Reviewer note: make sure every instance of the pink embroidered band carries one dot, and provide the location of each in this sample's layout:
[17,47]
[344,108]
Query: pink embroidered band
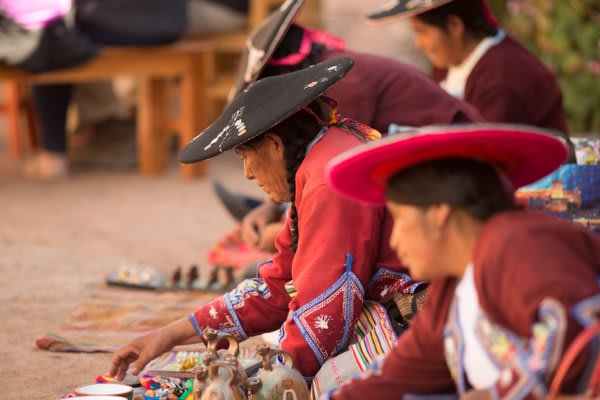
[310,36]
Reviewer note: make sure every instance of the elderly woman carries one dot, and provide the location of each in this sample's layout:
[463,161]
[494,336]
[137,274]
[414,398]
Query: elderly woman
[380,92]
[510,289]
[478,62]
[332,254]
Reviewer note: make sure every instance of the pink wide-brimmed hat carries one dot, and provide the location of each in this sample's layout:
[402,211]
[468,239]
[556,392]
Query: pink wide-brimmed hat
[524,154]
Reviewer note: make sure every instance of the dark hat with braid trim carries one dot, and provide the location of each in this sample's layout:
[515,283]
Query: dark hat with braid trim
[263,105]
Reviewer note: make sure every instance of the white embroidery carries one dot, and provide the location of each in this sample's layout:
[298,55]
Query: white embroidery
[384,291]
[213,312]
[240,126]
[322,322]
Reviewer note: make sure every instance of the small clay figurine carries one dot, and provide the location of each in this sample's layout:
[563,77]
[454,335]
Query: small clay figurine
[282,381]
[226,386]
[191,276]
[175,277]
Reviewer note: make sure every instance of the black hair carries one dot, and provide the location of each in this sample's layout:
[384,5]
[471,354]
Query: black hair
[471,13]
[296,132]
[290,45]
[471,185]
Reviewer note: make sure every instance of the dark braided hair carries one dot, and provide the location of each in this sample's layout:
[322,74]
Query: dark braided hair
[290,45]
[471,13]
[471,185]
[296,132]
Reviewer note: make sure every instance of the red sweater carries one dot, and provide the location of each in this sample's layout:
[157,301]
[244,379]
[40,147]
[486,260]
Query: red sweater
[509,84]
[380,91]
[342,257]
[537,281]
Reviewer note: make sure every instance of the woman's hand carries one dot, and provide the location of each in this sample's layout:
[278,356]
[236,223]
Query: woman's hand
[256,220]
[136,354]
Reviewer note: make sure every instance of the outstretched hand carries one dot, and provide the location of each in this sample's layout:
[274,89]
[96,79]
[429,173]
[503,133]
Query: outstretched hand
[135,355]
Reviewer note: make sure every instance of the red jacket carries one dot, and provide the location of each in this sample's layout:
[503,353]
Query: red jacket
[342,257]
[509,84]
[379,91]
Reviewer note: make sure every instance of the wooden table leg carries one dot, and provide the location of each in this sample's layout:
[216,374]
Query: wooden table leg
[194,106]
[13,111]
[151,135]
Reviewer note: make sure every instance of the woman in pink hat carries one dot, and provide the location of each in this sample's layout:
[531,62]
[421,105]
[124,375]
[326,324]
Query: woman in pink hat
[509,289]
[476,61]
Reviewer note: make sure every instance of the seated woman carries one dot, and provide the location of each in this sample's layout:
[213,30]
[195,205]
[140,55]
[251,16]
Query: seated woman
[380,92]
[509,289]
[333,254]
[476,61]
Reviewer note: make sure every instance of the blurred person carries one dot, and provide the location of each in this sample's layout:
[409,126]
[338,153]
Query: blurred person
[332,259]
[510,289]
[345,18]
[98,107]
[477,61]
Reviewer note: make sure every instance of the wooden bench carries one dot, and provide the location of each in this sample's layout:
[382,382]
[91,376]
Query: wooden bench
[154,67]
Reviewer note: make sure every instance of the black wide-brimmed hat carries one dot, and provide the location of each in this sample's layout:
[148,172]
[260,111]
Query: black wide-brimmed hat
[404,8]
[263,105]
[263,42]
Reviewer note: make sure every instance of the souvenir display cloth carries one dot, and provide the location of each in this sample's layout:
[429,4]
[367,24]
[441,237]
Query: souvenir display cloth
[180,362]
[110,318]
[263,105]
[524,154]
[262,42]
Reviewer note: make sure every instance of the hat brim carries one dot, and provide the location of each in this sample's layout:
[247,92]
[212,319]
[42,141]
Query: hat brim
[402,10]
[264,40]
[263,105]
[525,154]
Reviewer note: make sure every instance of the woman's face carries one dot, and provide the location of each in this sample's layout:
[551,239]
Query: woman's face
[442,48]
[416,239]
[264,162]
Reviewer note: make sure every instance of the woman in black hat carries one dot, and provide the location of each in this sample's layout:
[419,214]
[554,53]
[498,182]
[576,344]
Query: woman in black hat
[380,92]
[332,254]
[476,61]
[510,289]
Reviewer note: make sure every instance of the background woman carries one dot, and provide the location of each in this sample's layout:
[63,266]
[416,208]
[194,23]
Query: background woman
[477,61]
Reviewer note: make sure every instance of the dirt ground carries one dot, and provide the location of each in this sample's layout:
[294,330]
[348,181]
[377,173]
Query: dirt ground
[58,240]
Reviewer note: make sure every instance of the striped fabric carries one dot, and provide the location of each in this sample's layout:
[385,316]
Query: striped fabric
[373,337]
[291,289]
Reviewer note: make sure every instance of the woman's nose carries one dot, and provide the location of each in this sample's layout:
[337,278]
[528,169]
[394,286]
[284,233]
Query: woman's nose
[248,171]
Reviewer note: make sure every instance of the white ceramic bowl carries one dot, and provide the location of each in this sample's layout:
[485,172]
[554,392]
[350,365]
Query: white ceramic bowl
[99,397]
[106,390]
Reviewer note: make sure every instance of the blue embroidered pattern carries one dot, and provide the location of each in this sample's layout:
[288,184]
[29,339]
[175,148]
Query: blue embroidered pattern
[349,284]
[248,287]
[192,318]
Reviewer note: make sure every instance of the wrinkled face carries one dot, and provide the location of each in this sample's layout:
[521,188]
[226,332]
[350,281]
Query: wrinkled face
[264,162]
[415,238]
[442,48]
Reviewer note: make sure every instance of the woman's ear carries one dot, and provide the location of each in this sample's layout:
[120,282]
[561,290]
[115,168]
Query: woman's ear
[455,26]
[440,215]
[276,143]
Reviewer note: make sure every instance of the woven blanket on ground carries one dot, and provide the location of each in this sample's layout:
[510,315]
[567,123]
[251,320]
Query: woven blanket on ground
[232,252]
[112,317]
